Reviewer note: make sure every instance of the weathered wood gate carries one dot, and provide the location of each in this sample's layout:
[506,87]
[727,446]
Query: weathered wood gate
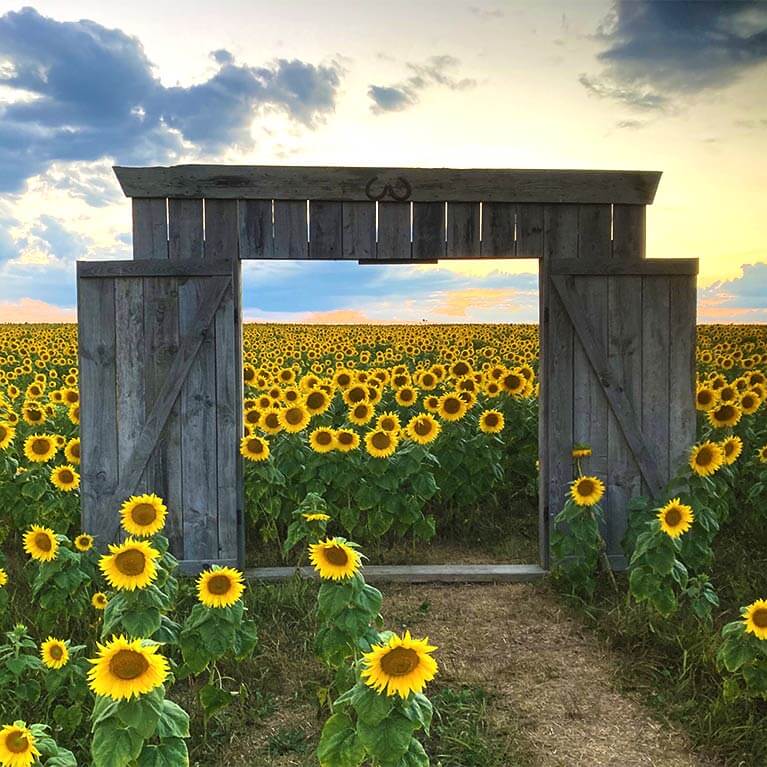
[160,336]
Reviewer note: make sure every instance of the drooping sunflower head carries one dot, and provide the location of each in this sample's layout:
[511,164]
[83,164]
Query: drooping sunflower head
[84,542]
[587,491]
[41,543]
[17,746]
[143,515]
[322,440]
[675,518]
[755,618]
[706,458]
[334,559]
[399,666]
[65,478]
[491,421]
[220,586]
[380,443]
[124,669]
[54,653]
[39,448]
[254,448]
[346,440]
[731,447]
[423,428]
[130,565]
[581,451]
[99,600]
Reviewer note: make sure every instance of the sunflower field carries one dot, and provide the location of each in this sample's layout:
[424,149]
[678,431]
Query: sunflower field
[411,443]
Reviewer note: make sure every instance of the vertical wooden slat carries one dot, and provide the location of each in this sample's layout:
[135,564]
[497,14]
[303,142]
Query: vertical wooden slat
[462,230]
[529,231]
[256,235]
[393,231]
[629,221]
[359,230]
[290,229]
[150,227]
[428,230]
[682,321]
[325,229]
[98,425]
[221,235]
[498,230]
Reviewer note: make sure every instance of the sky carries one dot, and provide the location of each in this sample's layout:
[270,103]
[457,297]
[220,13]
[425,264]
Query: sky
[679,87]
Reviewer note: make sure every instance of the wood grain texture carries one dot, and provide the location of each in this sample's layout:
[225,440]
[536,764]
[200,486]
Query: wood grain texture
[463,230]
[498,219]
[393,231]
[427,184]
[154,268]
[428,231]
[359,230]
[290,229]
[256,229]
[655,266]
[150,227]
[629,232]
[529,231]
[325,230]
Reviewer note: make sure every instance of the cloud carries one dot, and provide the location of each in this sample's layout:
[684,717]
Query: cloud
[630,124]
[743,299]
[32,310]
[658,53]
[83,92]
[436,71]
[487,13]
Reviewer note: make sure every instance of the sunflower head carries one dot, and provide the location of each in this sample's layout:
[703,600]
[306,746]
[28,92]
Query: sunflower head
[334,559]
[755,618]
[322,440]
[587,491]
[731,447]
[54,653]
[143,515]
[491,421]
[3,577]
[346,440]
[706,458]
[380,443]
[254,448]
[41,543]
[17,746]
[130,565]
[318,517]
[65,478]
[423,428]
[125,669]
[39,448]
[675,518]
[84,542]
[99,600]
[220,587]
[399,666]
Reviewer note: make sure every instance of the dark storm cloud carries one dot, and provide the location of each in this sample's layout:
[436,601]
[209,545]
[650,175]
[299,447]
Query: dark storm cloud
[94,93]
[657,52]
[438,70]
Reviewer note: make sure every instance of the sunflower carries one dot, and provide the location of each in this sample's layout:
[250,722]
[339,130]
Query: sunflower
[380,443]
[220,587]
[294,418]
[750,402]
[99,600]
[251,416]
[39,448]
[581,451]
[755,618]
[388,422]
[72,451]
[270,421]
[706,458]
[74,413]
[65,478]
[724,415]
[124,669]
[346,440]
[452,407]
[423,428]
[762,454]
[17,746]
[7,433]
[130,565]
[84,542]
[41,543]
[334,559]
[491,421]
[361,413]
[406,396]
[514,383]
[317,401]
[675,518]
[143,515]
[3,577]
[587,491]
[317,517]
[54,653]
[399,666]
[322,440]
[731,447]
[254,448]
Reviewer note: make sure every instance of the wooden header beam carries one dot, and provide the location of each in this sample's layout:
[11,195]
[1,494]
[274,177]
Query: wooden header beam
[273,182]
[644,268]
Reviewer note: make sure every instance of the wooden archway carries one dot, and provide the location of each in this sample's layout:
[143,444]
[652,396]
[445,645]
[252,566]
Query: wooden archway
[160,336]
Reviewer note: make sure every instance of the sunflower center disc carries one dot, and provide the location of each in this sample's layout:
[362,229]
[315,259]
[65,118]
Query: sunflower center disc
[75,450]
[17,742]
[131,562]
[703,458]
[293,416]
[56,652]
[128,664]
[344,438]
[491,420]
[585,487]
[336,556]
[387,424]
[219,584]
[40,446]
[422,428]
[255,446]
[315,400]
[760,618]
[380,441]
[272,421]
[324,438]
[673,517]
[43,542]
[400,661]
[452,406]
[66,476]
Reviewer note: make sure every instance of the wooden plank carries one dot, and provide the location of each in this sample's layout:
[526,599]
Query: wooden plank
[498,230]
[629,232]
[185,229]
[655,372]
[529,231]
[428,231]
[325,230]
[682,330]
[221,235]
[415,573]
[98,418]
[643,449]
[544,311]
[154,268]
[256,229]
[191,567]
[463,230]
[425,184]
[150,227]
[290,229]
[393,231]
[359,230]
[649,267]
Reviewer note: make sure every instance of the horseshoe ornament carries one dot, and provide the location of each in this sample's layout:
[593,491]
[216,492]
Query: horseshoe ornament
[388,190]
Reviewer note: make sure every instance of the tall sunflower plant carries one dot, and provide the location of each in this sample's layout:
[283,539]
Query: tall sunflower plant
[742,653]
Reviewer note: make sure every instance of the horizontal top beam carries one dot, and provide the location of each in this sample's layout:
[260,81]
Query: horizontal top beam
[274,182]
[664,267]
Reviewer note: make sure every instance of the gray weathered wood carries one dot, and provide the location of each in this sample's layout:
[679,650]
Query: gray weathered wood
[463,230]
[428,231]
[543,412]
[629,232]
[359,225]
[393,231]
[498,230]
[256,229]
[325,230]
[290,229]
[150,227]
[529,231]
[153,268]
[427,184]
[654,266]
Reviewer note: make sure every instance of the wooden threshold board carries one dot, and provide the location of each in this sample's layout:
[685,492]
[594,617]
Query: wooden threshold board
[416,573]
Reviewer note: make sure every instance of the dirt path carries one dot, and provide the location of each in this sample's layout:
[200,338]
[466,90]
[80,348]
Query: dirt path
[550,674]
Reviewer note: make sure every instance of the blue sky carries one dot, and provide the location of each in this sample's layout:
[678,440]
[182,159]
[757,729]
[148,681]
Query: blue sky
[671,86]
